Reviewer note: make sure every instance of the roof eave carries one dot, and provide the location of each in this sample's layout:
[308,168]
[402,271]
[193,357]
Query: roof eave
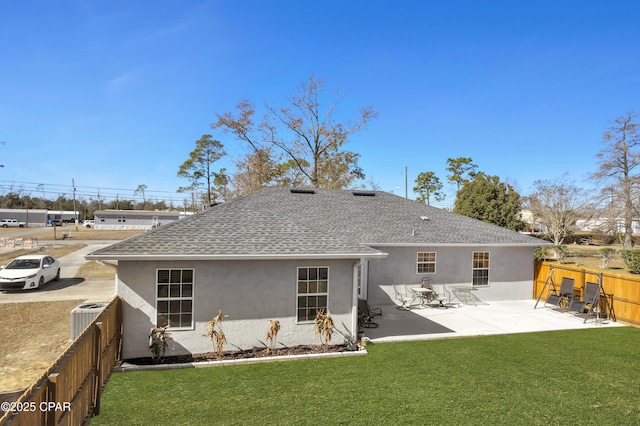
[426,243]
[293,256]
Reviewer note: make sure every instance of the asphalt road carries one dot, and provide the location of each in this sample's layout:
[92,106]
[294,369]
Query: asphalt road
[69,287]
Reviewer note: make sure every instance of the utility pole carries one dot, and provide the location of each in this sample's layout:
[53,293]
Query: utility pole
[406,182]
[75,212]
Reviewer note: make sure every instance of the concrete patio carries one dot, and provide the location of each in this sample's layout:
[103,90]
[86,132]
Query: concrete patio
[502,317]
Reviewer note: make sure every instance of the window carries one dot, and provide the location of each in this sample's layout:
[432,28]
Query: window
[426,262]
[313,290]
[480,268]
[174,303]
[122,219]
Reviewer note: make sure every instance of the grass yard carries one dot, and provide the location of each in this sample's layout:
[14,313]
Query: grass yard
[562,377]
[588,257]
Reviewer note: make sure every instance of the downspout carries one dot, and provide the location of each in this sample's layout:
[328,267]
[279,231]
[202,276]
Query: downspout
[354,302]
[115,267]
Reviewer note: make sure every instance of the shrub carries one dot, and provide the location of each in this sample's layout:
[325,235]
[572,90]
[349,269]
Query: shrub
[323,325]
[605,254]
[158,342]
[560,252]
[632,260]
[272,335]
[215,332]
[541,253]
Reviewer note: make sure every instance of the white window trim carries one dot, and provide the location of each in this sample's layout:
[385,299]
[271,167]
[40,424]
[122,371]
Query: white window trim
[192,298]
[435,263]
[312,294]
[473,268]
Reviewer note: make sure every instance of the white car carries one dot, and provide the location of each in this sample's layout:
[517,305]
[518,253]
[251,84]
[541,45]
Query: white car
[88,223]
[30,271]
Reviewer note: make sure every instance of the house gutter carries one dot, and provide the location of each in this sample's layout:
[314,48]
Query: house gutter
[292,256]
[428,244]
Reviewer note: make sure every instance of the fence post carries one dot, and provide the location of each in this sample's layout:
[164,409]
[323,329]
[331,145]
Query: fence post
[97,370]
[50,415]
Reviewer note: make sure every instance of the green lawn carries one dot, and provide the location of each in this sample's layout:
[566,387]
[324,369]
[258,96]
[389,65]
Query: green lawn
[564,377]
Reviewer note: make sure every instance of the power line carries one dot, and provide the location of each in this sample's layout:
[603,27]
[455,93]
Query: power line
[92,192]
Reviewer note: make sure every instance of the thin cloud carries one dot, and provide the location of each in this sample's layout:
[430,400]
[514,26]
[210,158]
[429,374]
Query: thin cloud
[162,33]
[116,84]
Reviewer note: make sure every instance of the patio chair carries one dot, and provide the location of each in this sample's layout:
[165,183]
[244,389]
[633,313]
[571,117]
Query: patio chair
[590,298]
[404,296]
[562,296]
[442,294]
[366,314]
[438,293]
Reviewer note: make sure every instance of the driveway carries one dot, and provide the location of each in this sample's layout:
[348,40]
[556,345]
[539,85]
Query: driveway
[68,287]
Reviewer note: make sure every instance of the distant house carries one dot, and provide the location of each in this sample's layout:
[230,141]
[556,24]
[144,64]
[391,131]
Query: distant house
[283,254]
[134,219]
[533,226]
[40,217]
[607,226]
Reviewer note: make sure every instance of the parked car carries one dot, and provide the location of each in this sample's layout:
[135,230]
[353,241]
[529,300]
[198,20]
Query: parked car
[89,223]
[56,222]
[29,271]
[6,223]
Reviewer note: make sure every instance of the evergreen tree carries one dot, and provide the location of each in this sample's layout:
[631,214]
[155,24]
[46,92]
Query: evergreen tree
[491,201]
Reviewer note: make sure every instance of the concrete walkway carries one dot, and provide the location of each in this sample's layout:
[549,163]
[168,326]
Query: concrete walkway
[503,317]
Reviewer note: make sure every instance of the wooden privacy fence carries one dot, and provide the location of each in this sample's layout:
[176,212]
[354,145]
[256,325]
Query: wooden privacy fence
[624,288]
[69,392]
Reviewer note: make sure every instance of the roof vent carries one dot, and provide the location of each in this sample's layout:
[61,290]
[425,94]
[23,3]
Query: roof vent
[302,191]
[424,217]
[364,193]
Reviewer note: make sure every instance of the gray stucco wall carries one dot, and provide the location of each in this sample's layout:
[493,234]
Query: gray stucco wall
[510,271]
[250,292]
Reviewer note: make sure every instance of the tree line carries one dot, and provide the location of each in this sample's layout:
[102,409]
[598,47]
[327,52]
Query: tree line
[559,202]
[302,142]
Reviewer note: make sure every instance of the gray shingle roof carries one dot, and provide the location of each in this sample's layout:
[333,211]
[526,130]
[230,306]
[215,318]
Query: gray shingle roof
[276,222]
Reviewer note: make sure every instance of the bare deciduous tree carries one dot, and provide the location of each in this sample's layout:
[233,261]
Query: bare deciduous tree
[556,204]
[618,161]
[306,131]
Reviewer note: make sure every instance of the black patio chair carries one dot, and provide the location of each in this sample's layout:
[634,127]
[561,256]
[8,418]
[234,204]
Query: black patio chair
[366,314]
[590,299]
[564,296]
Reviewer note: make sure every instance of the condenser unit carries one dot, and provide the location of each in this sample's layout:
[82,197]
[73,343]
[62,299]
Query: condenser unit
[82,315]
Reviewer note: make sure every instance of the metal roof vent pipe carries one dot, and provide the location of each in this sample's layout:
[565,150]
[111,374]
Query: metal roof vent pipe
[424,217]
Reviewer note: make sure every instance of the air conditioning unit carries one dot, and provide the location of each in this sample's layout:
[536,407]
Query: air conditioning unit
[82,315]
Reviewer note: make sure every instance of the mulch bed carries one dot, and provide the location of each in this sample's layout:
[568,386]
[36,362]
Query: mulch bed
[244,354]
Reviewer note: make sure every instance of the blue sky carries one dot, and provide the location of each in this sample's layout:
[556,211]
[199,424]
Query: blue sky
[115,94]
